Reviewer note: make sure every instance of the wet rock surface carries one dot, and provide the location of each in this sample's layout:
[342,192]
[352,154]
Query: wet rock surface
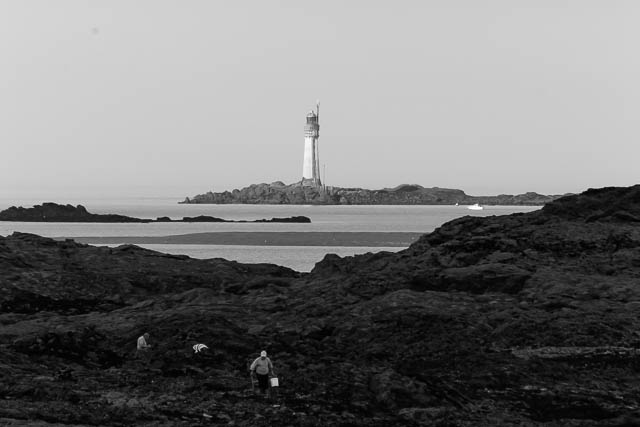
[527,319]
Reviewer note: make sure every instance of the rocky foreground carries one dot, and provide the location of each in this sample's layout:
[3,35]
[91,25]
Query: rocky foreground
[528,319]
[278,193]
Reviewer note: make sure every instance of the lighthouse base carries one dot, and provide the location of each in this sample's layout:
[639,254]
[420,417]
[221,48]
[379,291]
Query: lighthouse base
[310,182]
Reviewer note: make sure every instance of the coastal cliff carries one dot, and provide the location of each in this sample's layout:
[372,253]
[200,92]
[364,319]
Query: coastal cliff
[525,319]
[294,194]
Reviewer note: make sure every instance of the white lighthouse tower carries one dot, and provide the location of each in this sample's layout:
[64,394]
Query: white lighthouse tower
[311,162]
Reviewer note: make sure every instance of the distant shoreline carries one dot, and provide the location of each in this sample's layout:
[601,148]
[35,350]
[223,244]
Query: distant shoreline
[310,238]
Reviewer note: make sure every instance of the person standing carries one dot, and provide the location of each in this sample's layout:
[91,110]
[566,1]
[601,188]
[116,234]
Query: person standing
[262,368]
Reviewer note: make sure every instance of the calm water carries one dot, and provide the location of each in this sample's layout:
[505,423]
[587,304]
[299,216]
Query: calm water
[323,218]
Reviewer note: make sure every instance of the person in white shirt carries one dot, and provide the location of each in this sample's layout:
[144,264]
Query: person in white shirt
[142,342]
[262,368]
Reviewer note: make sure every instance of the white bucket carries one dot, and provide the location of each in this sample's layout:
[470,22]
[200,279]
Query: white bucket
[274,382]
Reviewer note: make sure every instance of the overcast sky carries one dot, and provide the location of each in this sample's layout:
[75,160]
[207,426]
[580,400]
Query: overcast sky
[176,98]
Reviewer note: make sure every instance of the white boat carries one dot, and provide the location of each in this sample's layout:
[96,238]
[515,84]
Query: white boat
[475,207]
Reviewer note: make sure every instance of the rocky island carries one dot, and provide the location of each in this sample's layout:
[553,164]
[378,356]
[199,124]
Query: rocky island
[53,212]
[518,320]
[279,193]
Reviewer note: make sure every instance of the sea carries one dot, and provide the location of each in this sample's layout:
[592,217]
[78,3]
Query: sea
[420,219]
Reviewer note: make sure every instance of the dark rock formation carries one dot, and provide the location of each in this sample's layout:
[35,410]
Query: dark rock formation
[602,204]
[527,319]
[278,193]
[53,212]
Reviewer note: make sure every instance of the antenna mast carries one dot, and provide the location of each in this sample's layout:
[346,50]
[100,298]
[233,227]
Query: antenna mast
[317,165]
[324,176]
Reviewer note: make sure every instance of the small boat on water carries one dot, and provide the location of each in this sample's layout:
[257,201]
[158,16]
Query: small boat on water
[475,207]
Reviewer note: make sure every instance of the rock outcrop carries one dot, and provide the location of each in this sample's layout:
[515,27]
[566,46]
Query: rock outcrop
[278,193]
[526,319]
[53,212]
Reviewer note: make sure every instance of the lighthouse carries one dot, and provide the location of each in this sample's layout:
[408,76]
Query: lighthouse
[311,162]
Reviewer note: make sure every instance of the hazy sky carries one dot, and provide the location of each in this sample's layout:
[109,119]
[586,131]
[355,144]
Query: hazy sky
[176,98]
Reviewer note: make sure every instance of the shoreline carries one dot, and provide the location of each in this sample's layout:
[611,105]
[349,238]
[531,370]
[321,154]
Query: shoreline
[265,238]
